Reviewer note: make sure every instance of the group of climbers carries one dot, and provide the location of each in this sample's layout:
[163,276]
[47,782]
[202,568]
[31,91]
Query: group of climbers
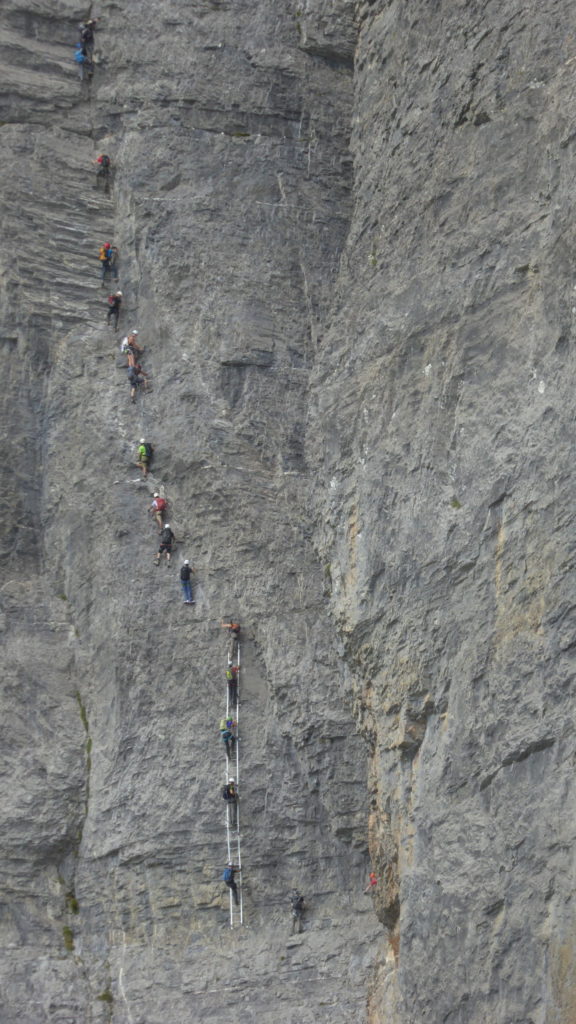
[229,737]
[159,509]
[109,260]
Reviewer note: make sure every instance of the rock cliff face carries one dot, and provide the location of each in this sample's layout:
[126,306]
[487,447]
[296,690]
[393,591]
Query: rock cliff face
[345,236]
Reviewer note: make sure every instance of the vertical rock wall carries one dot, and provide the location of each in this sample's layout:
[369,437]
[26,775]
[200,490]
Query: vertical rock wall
[443,404]
[228,126]
[346,239]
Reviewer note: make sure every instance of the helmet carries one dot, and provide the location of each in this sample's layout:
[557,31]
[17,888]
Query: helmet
[156,495]
[118,293]
[142,440]
[167,524]
[230,780]
[133,331]
[186,561]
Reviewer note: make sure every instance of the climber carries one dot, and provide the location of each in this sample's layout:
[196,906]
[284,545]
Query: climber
[103,172]
[104,257]
[234,631]
[297,910]
[113,256]
[372,881]
[84,62]
[230,794]
[232,680]
[135,381]
[167,538]
[145,454]
[228,734]
[158,508]
[87,35]
[229,871]
[185,581]
[114,303]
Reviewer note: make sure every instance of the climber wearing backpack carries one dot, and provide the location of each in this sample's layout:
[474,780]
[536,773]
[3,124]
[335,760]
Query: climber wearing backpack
[104,257]
[230,795]
[145,453]
[103,172]
[228,876]
[113,257]
[186,581]
[114,303]
[228,735]
[167,539]
[232,681]
[158,508]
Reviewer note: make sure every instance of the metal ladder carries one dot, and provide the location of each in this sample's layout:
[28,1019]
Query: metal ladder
[233,834]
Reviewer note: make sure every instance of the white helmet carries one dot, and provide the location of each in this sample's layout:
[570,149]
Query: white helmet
[142,440]
[156,495]
[167,524]
[186,561]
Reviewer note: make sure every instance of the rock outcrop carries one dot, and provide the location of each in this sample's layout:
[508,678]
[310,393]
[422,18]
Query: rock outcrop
[345,238]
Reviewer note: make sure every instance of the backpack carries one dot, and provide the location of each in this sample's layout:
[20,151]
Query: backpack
[79,57]
[161,504]
[103,251]
[166,535]
[226,794]
[149,453]
[112,300]
[228,875]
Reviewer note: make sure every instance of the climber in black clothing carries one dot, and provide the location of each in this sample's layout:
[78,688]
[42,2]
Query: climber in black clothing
[297,910]
[114,303]
[167,539]
[230,795]
[103,172]
[87,35]
[232,680]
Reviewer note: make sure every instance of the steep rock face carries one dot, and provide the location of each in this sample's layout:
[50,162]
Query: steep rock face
[441,431]
[229,129]
[355,296]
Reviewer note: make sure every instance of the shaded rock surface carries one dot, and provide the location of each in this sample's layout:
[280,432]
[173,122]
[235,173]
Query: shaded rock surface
[346,239]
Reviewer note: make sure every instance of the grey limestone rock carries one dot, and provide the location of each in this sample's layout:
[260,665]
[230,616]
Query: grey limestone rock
[345,236]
